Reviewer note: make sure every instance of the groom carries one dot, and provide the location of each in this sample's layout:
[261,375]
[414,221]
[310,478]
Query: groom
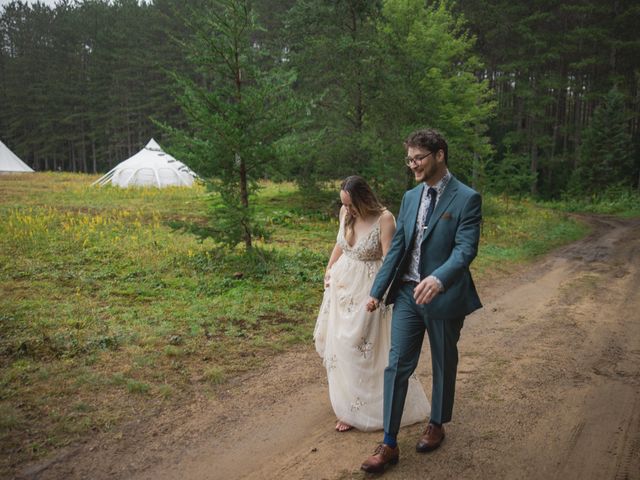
[426,274]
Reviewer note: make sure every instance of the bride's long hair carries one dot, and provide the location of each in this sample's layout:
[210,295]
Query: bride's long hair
[363,199]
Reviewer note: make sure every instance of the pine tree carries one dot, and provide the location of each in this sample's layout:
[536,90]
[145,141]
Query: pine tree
[430,81]
[237,111]
[606,154]
[332,46]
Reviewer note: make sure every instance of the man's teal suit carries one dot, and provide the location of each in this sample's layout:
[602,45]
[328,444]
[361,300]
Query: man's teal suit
[448,246]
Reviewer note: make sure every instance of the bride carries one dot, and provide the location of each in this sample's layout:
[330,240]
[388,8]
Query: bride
[353,343]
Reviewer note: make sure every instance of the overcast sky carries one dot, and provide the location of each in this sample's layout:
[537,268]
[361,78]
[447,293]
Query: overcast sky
[46,2]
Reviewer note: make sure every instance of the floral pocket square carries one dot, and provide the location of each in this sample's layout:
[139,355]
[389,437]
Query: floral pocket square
[446,216]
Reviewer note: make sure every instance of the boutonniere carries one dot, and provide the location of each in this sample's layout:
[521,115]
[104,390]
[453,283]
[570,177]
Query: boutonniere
[446,216]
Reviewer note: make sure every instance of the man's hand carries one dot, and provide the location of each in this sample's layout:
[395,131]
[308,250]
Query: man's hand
[426,290]
[373,304]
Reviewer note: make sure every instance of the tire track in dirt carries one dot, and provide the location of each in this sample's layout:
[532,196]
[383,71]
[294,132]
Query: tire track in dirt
[598,412]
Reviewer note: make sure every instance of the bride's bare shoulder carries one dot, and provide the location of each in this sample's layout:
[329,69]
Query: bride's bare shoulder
[387,219]
[386,215]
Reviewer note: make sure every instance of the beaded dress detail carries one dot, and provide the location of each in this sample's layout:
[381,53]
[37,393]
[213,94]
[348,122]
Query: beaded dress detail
[354,343]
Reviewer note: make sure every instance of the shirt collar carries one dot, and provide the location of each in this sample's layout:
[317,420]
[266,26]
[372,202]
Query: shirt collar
[441,185]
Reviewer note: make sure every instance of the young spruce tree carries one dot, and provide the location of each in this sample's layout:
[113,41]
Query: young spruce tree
[606,153]
[238,107]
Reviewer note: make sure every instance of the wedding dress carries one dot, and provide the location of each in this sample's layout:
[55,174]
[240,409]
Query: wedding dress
[354,344]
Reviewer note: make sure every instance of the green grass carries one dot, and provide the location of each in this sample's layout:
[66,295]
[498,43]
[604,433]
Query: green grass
[107,309]
[518,231]
[620,201]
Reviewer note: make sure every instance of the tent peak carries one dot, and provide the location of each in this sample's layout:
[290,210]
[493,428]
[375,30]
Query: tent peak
[153,145]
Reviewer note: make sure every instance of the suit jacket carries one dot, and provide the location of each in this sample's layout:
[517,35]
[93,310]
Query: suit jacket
[447,249]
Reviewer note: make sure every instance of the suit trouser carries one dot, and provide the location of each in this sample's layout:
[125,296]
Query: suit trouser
[407,333]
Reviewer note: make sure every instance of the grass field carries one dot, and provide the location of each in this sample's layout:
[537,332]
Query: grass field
[108,312]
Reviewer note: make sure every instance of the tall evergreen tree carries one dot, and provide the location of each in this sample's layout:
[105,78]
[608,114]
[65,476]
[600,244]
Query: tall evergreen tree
[606,154]
[81,80]
[550,63]
[332,46]
[373,71]
[431,81]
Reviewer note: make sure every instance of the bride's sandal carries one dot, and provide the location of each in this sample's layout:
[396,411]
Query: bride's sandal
[343,427]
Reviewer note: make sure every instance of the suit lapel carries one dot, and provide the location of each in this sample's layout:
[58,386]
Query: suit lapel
[447,197]
[412,215]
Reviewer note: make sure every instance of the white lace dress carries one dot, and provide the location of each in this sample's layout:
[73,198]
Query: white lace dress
[354,344]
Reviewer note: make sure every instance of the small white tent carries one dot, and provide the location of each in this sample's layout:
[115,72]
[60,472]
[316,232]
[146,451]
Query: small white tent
[9,161]
[150,167]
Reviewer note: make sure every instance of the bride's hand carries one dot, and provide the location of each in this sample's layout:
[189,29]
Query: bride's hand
[372,304]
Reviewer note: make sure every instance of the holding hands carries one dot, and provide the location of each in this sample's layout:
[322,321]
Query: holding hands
[372,304]
[424,293]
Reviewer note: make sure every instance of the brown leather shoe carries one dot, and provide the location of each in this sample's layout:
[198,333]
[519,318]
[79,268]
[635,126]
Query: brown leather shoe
[382,456]
[431,438]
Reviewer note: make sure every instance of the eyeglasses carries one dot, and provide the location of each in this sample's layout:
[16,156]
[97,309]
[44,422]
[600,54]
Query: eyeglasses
[417,159]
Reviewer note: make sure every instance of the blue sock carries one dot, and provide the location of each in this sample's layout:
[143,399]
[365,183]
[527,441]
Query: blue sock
[389,440]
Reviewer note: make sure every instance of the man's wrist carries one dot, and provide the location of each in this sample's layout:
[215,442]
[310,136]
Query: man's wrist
[438,283]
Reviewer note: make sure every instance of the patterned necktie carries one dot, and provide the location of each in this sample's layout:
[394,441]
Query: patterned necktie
[431,193]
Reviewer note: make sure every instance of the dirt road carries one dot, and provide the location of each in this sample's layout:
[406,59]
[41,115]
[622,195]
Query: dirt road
[548,388]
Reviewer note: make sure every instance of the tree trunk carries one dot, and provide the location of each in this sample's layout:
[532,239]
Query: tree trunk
[73,157]
[244,199]
[244,191]
[475,174]
[534,167]
[533,151]
[93,156]
[85,167]
[129,135]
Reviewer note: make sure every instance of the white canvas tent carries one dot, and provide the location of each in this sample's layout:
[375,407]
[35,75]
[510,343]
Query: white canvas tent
[150,167]
[9,161]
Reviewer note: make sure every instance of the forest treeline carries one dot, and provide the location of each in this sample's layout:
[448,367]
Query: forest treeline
[537,97]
